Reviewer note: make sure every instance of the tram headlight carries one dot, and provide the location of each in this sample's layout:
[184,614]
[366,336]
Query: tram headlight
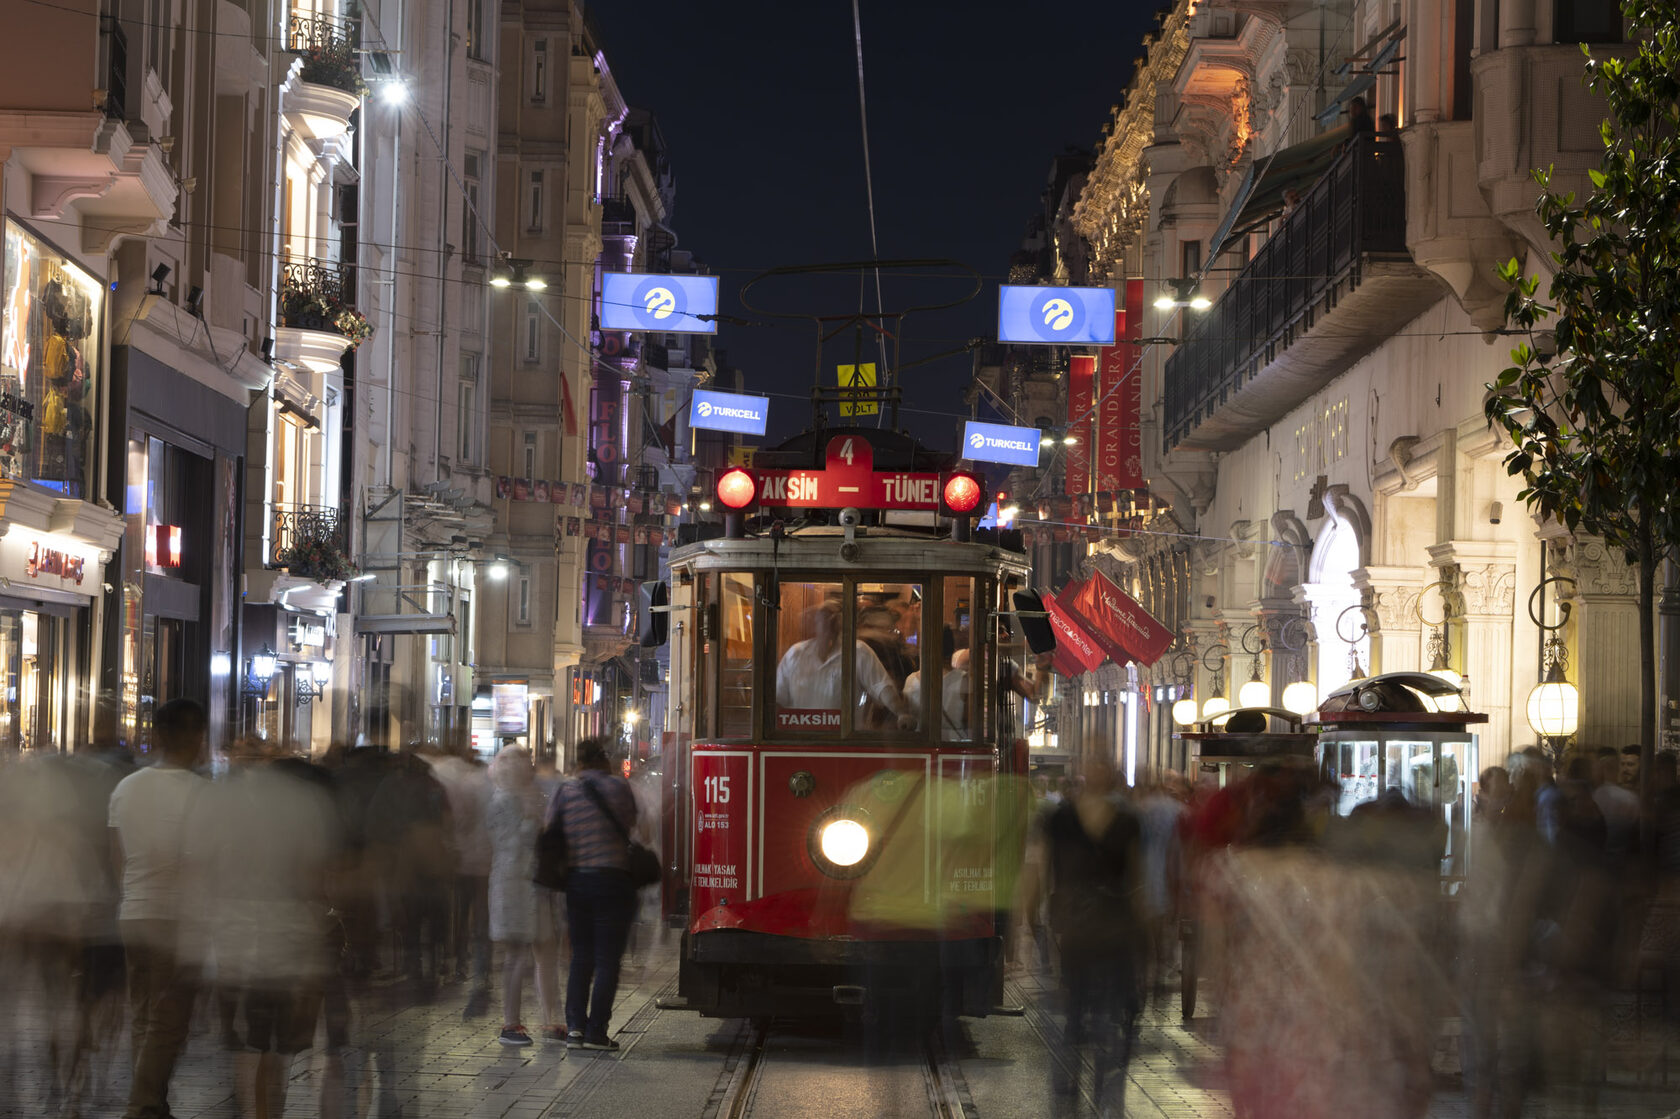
[844,842]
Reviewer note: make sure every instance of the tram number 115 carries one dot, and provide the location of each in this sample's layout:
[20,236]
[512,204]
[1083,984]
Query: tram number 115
[715,790]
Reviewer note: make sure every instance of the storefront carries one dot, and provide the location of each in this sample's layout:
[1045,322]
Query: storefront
[53,543]
[175,633]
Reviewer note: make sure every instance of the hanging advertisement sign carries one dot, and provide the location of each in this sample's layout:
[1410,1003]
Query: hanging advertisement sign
[1081,376]
[1017,446]
[729,411]
[666,304]
[1119,433]
[1044,316]
[1079,648]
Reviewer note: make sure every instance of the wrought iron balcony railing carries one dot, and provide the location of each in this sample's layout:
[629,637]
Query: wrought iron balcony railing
[1356,209]
[617,211]
[310,540]
[328,48]
[314,294]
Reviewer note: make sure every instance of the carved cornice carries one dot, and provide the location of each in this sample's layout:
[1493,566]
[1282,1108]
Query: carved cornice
[1488,588]
[1603,570]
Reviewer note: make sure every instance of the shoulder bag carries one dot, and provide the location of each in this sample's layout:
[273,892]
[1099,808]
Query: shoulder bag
[641,863]
[553,860]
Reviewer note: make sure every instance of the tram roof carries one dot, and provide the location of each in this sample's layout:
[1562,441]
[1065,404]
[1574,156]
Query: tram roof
[818,547]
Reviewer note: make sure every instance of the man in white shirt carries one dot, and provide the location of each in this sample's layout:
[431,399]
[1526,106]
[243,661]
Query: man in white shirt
[151,819]
[808,677]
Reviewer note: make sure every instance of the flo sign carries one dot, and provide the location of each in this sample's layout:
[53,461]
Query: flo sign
[1017,446]
[1055,316]
[728,411]
[659,304]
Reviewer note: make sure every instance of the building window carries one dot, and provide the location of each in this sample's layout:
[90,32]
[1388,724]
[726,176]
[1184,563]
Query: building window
[533,330]
[522,601]
[469,207]
[1586,21]
[539,71]
[1190,258]
[466,422]
[531,455]
[478,38]
[536,196]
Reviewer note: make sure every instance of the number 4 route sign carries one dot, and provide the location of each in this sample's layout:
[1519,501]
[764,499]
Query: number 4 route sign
[861,380]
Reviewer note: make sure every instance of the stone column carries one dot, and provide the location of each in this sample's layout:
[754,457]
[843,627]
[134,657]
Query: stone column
[1396,643]
[1324,605]
[1605,666]
[1275,616]
[1485,573]
[1516,23]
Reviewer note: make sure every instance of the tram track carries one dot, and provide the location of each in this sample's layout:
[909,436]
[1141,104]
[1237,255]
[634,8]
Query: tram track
[756,1073]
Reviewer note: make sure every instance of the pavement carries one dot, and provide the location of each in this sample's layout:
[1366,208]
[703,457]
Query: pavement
[418,1058]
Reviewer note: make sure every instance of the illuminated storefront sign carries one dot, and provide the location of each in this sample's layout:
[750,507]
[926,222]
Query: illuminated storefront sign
[163,545]
[509,705]
[50,561]
[664,304]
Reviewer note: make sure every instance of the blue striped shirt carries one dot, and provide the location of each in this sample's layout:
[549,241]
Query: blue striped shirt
[591,840]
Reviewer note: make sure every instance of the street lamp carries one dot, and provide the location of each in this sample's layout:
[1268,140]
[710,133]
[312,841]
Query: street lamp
[516,273]
[1554,705]
[1256,692]
[1184,667]
[1439,648]
[1216,704]
[313,686]
[1186,292]
[263,666]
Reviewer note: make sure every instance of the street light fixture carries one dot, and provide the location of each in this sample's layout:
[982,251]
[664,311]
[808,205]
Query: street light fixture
[1216,704]
[264,664]
[313,686]
[1554,705]
[1185,292]
[516,273]
[1184,667]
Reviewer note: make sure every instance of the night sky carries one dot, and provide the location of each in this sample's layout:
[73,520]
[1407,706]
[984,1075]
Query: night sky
[967,103]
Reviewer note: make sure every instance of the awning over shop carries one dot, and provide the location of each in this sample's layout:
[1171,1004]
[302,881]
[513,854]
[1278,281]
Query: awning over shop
[1261,197]
[405,623]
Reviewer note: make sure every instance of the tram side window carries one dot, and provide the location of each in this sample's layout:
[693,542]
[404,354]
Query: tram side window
[889,624]
[961,675]
[735,656]
[1017,682]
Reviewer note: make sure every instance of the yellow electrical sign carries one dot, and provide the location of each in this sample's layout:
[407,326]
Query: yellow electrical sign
[741,456]
[861,380]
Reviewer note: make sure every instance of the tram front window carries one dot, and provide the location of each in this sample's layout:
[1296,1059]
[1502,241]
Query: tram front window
[951,642]
[816,683]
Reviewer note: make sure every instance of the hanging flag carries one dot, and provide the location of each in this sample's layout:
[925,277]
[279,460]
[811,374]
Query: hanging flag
[1118,622]
[1077,454]
[1071,638]
[1119,434]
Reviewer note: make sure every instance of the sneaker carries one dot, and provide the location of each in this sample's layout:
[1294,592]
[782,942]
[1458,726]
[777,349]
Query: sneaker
[601,1044]
[514,1035]
[553,1033]
[574,1039]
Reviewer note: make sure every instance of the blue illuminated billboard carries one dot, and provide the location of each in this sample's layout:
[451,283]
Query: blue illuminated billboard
[667,304]
[728,411]
[1017,446]
[1056,316]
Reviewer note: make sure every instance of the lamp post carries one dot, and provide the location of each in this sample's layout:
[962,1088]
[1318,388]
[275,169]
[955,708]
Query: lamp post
[1184,711]
[1355,672]
[1300,695]
[1439,648]
[264,664]
[312,686]
[1554,704]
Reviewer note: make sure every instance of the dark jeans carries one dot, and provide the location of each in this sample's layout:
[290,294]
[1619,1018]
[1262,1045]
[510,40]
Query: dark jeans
[161,990]
[600,905]
[470,923]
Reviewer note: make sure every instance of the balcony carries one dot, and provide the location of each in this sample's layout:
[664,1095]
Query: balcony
[329,83]
[318,319]
[1325,290]
[617,216]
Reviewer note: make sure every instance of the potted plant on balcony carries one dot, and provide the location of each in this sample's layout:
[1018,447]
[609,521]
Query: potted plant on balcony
[354,326]
[320,558]
[308,309]
[333,64]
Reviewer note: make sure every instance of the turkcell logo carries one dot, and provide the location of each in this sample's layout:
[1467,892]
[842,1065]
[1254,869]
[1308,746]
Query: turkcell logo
[728,411]
[1017,446]
[1056,316]
[666,304]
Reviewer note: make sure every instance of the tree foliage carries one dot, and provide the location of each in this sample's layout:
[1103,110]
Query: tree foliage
[1594,415]
[1596,429]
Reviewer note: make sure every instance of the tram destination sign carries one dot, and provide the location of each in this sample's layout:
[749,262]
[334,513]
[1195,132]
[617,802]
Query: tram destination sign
[849,478]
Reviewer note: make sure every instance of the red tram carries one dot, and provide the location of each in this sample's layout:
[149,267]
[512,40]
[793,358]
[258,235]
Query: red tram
[834,819]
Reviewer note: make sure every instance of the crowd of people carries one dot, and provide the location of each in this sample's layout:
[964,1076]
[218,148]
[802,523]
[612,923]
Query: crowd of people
[1348,960]
[282,904]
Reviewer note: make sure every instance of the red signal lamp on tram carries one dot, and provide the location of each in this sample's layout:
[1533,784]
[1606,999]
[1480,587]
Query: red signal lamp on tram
[959,498]
[736,490]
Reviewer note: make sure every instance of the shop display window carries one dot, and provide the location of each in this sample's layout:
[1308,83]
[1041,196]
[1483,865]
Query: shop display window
[51,312]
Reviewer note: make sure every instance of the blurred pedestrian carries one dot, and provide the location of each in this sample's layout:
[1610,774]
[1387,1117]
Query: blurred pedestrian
[520,920]
[152,817]
[1094,854]
[466,785]
[410,843]
[600,898]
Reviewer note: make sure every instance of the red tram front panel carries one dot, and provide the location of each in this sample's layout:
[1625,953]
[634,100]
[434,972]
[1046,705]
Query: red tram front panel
[721,861]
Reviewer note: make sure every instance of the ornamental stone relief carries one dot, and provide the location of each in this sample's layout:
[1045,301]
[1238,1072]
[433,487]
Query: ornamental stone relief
[1600,569]
[1488,588]
[1395,606]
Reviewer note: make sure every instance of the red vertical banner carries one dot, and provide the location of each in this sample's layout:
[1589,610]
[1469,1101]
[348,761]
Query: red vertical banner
[1118,457]
[1081,374]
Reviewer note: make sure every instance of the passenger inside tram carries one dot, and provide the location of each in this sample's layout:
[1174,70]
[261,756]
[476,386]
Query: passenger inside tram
[808,676]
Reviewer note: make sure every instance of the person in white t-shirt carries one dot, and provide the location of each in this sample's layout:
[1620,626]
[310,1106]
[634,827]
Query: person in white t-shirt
[954,688]
[151,818]
[808,677]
